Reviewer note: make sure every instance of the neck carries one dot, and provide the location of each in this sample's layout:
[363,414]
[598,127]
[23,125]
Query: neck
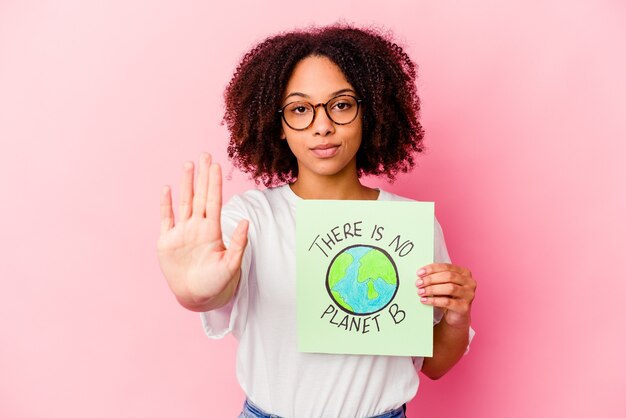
[339,187]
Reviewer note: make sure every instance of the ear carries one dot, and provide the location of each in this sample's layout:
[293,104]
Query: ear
[282,134]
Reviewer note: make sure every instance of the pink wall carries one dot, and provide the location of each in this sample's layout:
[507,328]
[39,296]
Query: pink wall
[101,103]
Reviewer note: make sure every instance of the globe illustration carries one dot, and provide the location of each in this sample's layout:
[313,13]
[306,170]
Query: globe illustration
[362,279]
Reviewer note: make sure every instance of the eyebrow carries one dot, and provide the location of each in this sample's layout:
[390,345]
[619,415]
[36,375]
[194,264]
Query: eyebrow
[306,96]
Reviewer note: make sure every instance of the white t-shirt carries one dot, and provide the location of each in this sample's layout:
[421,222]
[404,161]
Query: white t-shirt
[271,371]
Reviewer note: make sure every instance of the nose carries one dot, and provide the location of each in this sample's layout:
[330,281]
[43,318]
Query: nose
[322,125]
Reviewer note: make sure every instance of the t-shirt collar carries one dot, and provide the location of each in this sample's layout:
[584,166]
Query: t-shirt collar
[292,197]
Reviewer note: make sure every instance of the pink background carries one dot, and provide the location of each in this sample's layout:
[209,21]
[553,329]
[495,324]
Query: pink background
[524,107]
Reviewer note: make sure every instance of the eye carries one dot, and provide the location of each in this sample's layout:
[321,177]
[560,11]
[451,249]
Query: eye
[342,104]
[298,108]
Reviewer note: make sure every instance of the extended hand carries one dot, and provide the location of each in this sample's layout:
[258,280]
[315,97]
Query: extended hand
[192,254]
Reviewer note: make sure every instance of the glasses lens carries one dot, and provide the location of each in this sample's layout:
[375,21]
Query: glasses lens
[342,109]
[298,115]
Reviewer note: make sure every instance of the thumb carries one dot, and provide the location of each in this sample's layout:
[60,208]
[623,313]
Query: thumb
[238,243]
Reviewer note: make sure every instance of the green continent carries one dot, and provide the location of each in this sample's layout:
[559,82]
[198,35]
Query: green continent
[371,291]
[339,269]
[375,264]
[340,300]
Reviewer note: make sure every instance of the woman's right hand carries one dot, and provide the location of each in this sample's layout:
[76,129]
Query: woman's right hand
[200,270]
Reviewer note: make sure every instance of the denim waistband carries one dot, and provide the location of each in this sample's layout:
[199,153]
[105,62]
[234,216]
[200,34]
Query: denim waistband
[250,410]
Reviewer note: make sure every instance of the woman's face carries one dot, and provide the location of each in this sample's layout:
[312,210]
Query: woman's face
[324,148]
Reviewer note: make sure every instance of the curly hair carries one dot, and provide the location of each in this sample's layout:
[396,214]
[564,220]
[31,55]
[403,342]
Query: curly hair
[379,70]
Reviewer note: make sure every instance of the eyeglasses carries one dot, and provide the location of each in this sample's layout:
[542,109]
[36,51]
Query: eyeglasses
[341,110]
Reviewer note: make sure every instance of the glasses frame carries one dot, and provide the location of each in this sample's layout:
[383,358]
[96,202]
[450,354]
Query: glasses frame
[358,107]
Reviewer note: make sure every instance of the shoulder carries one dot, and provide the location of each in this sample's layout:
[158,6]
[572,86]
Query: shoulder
[256,201]
[385,195]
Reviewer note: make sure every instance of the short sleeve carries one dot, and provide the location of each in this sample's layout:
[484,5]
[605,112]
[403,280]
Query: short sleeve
[441,256]
[232,317]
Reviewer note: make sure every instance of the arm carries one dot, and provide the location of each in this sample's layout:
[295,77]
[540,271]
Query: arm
[452,288]
[448,347]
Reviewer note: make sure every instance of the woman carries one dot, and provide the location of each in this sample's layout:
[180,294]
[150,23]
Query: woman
[309,113]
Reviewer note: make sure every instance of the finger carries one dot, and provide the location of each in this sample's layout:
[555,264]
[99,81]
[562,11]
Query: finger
[446,289]
[199,198]
[440,267]
[214,202]
[442,277]
[186,192]
[167,214]
[452,304]
[238,243]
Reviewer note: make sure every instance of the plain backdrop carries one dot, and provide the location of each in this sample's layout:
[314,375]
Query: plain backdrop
[101,103]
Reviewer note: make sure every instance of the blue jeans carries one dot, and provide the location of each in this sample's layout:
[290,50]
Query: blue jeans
[250,410]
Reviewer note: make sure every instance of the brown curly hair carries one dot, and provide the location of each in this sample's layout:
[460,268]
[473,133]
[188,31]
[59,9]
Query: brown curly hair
[382,74]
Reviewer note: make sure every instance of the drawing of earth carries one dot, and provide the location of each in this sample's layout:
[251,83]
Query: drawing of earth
[362,279]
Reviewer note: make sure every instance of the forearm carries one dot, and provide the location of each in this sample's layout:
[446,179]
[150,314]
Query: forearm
[449,344]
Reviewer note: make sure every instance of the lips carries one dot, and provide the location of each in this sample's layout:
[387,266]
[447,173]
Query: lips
[325,150]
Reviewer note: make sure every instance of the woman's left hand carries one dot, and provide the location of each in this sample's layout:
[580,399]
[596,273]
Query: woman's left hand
[449,287]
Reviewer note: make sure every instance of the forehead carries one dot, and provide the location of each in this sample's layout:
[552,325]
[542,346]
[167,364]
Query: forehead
[317,77]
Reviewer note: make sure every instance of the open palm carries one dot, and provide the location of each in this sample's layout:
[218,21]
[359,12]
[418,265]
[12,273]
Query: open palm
[191,252]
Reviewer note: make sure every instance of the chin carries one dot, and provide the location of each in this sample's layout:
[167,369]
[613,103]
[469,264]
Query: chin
[328,171]
[328,167]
